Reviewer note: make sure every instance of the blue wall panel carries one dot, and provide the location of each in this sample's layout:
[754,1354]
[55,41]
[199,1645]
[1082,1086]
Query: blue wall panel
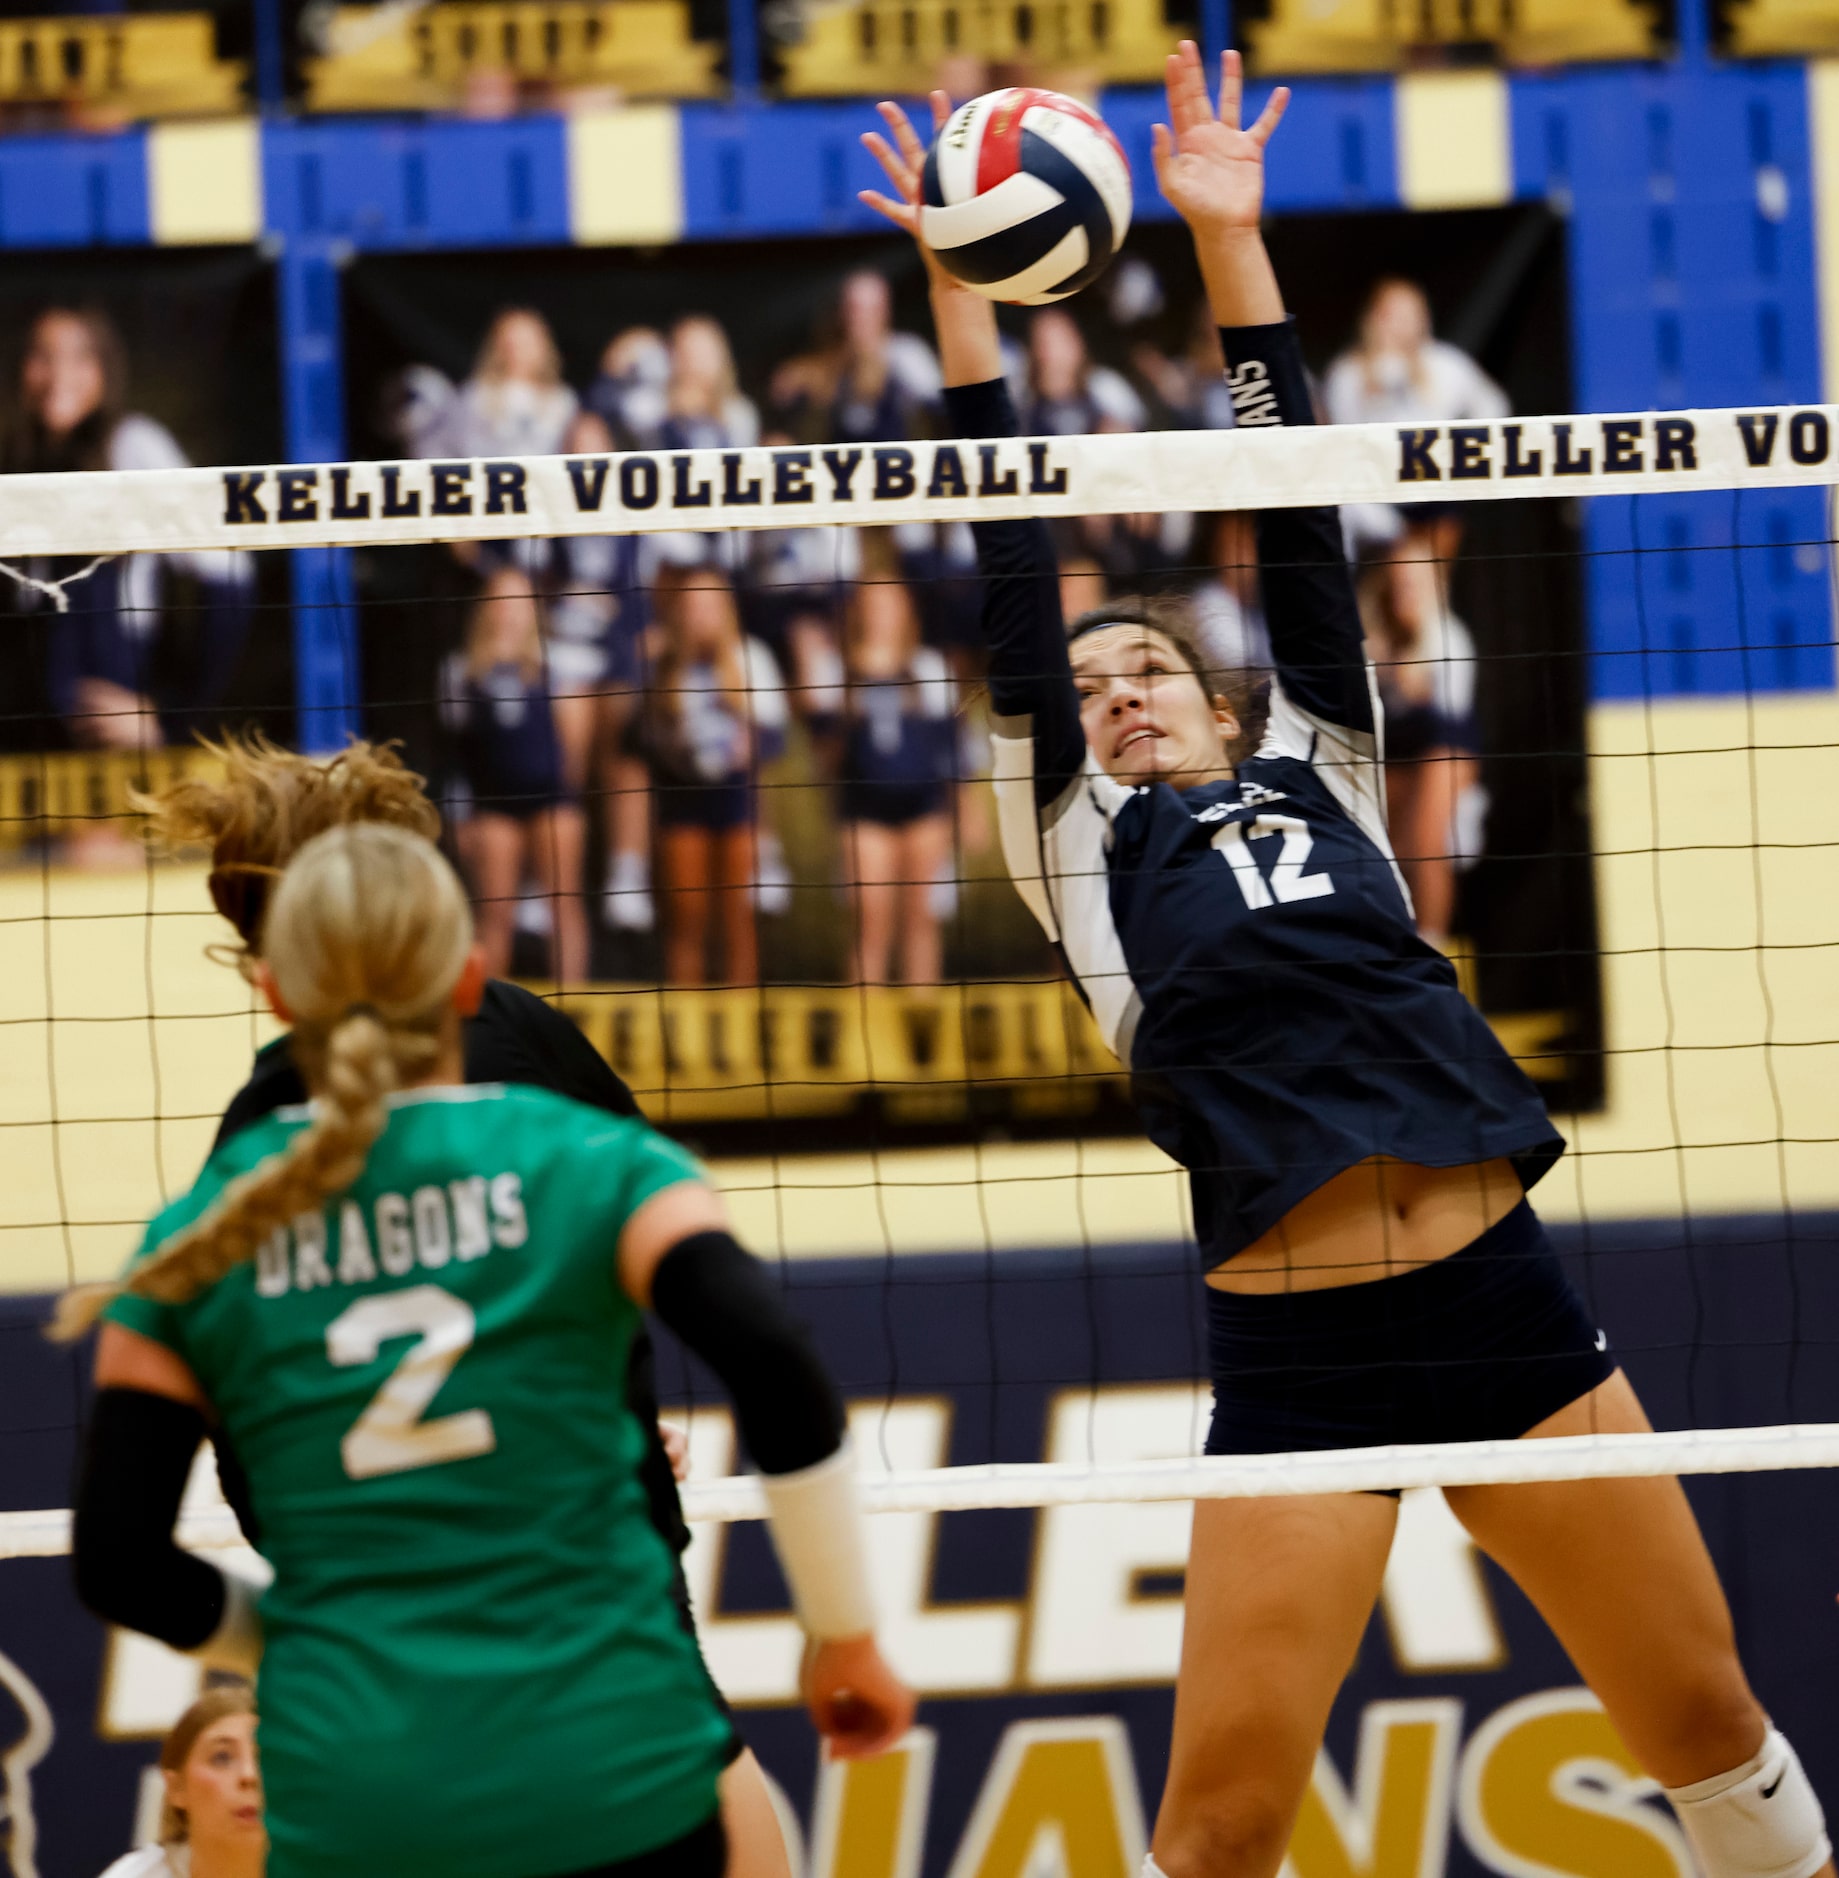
[1692,284]
[787,169]
[794,169]
[71,192]
[383,183]
[1338,152]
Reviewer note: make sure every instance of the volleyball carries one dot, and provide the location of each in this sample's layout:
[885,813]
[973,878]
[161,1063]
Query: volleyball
[1026,196]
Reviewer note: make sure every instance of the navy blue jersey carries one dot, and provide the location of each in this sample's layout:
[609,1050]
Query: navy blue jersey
[505,738]
[902,731]
[1247,947]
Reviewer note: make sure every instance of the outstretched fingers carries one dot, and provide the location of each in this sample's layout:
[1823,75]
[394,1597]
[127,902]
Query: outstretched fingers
[1186,84]
[897,170]
[1161,154]
[904,134]
[1232,88]
[941,109]
[1270,117]
[903,215]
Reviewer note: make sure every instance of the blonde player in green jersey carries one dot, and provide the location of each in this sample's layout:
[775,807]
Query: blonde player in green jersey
[409,1305]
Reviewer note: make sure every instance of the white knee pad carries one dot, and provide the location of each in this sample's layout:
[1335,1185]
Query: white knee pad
[1150,1868]
[1760,1820]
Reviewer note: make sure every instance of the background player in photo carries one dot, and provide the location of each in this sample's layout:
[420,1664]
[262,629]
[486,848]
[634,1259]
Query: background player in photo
[523,815]
[410,1306]
[715,712]
[1358,1143]
[899,745]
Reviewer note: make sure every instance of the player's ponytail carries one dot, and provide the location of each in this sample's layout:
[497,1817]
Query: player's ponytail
[366,937]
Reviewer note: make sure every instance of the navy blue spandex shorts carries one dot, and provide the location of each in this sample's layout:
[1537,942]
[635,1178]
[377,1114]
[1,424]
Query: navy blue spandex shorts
[1481,1346]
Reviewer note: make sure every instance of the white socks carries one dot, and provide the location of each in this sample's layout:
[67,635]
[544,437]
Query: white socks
[1760,1820]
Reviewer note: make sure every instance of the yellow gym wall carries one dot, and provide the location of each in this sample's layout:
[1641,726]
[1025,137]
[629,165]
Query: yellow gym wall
[1717,830]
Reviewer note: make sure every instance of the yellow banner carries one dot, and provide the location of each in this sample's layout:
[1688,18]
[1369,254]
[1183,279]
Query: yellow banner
[1026,1050]
[68,791]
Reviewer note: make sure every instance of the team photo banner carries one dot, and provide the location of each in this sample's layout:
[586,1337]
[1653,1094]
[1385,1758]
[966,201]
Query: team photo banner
[1254,467]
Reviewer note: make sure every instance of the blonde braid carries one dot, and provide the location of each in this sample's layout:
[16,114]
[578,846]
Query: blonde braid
[371,921]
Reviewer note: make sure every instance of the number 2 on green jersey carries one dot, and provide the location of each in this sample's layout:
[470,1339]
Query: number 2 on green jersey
[390,1437]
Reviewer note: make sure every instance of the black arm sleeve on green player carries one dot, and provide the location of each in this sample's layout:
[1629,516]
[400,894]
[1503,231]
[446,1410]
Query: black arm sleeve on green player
[722,1305]
[137,1456]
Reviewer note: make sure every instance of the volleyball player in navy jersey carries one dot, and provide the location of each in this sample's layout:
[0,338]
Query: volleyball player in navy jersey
[1359,1145]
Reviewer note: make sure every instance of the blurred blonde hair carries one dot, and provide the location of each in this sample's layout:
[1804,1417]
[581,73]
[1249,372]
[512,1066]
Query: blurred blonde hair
[490,366]
[267,804]
[228,1698]
[367,936]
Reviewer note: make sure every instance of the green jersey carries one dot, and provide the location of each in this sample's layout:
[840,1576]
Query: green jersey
[474,1665]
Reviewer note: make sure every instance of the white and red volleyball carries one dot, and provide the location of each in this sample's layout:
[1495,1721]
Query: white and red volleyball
[1026,196]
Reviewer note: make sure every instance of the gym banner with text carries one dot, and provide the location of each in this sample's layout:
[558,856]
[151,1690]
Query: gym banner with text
[1254,467]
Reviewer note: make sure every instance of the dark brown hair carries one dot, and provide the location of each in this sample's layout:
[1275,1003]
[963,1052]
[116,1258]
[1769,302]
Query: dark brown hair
[26,445]
[1171,617]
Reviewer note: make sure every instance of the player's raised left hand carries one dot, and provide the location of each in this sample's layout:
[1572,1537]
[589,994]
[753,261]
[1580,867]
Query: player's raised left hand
[857,1703]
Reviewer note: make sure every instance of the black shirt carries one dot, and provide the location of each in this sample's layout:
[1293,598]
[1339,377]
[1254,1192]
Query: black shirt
[517,1038]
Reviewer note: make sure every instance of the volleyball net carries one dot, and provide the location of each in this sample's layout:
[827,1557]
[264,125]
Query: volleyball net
[707,734]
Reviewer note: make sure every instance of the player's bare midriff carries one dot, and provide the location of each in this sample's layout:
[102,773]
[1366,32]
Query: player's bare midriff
[1374,1220]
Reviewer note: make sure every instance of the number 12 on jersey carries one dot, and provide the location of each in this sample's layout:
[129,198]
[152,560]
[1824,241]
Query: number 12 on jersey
[1288,882]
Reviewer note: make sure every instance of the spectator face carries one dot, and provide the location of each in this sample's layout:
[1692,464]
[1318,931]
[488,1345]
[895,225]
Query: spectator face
[884,631]
[519,349]
[219,1787]
[1146,715]
[867,312]
[63,380]
[701,366]
[1397,321]
[639,354]
[507,627]
[1056,356]
[703,616]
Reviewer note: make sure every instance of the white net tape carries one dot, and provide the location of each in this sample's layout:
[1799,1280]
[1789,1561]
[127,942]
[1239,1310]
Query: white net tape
[351,504]
[1196,1477]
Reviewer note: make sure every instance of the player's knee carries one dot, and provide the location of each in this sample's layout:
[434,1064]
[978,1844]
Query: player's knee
[1225,1835]
[1710,1726]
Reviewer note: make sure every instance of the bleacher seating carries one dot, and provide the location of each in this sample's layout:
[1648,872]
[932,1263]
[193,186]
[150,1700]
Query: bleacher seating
[129,65]
[893,47]
[1382,35]
[388,58]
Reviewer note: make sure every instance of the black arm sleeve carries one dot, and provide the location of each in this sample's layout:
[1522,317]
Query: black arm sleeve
[137,1453]
[723,1306]
[1309,606]
[1030,675]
